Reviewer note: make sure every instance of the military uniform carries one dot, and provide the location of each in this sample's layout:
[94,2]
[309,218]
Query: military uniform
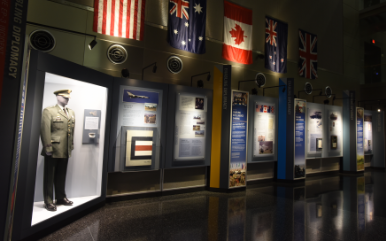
[57,135]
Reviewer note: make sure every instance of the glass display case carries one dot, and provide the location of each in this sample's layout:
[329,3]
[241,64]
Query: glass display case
[190,111]
[64,147]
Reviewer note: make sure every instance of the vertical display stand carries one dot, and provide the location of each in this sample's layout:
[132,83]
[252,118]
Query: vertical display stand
[291,136]
[349,132]
[190,127]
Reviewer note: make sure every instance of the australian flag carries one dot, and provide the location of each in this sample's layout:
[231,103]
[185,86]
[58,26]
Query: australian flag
[187,20]
[308,55]
[276,38]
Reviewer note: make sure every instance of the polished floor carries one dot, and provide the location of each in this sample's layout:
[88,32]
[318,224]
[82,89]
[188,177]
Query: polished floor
[324,208]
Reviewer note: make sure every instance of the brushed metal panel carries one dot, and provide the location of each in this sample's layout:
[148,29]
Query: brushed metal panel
[68,46]
[57,15]
[119,183]
[184,177]
[157,11]
[263,170]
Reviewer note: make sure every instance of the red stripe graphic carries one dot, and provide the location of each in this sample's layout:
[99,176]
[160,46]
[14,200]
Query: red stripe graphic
[143,148]
[96,13]
[135,20]
[237,55]
[128,19]
[112,17]
[104,22]
[120,18]
[238,13]
[142,19]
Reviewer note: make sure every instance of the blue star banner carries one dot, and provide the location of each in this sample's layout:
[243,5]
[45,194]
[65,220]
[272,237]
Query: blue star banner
[187,25]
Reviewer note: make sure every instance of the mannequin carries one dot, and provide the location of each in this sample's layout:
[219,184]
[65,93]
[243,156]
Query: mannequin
[57,132]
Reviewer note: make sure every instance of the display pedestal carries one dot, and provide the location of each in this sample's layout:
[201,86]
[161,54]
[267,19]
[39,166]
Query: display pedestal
[40,214]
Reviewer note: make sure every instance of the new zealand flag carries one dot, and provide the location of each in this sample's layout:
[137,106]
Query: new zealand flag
[187,20]
[276,38]
[308,55]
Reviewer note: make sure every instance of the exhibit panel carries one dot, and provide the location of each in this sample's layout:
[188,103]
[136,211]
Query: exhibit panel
[238,139]
[300,108]
[262,130]
[189,125]
[359,139]
[368,133]
[378,139]
[315,120]
[138,111]
[64,149]
[333,131]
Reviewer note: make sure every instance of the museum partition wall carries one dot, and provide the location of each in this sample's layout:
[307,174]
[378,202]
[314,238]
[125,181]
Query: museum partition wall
[159,137]
[64,144]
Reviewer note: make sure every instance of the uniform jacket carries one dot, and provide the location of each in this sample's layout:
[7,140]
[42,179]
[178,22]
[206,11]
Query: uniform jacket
[57,132]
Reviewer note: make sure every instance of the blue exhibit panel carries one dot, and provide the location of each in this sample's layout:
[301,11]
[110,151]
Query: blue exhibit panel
[282,134]
[300,128]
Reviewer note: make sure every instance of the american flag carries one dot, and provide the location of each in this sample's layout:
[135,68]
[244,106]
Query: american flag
[276,38]
[187,25]
[120,18]
[308,55]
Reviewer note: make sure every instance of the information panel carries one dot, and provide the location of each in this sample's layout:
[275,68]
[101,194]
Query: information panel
[139,122]
[315,131]
[300,128]
[191,111]
[360,150]
[264,129]
[368,134]
[239,130]
[335,130]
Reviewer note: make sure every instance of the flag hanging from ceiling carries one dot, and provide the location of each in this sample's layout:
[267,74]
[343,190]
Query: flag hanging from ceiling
[276,38]
[308,55]
[187,25]
[120,18]
[237,45]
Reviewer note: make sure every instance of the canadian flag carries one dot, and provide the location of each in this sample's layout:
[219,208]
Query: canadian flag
[237,45]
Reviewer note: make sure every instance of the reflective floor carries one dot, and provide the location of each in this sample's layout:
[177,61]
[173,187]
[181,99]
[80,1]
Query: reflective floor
[325,208]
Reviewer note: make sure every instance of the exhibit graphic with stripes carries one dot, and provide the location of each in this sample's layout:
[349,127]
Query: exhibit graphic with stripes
[120,18]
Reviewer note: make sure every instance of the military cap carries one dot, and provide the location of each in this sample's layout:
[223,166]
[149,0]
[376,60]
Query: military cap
[64,93]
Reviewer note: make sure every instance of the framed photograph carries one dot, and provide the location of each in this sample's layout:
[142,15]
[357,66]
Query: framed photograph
[319,144]
[139,148]
[334,142]
[199,104]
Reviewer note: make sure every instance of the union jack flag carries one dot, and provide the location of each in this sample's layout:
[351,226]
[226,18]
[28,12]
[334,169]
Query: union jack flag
[270,30]
[308,55]
[179,8]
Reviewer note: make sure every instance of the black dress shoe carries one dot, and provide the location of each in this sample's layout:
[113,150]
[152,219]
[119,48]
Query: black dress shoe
[64,201]
[50,207]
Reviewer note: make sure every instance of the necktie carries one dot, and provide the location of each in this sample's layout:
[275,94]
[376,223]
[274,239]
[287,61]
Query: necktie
[65,111]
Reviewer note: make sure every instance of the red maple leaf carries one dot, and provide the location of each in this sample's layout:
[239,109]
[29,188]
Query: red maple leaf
[237,33]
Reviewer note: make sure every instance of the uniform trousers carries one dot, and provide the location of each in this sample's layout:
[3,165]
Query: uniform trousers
[55,170]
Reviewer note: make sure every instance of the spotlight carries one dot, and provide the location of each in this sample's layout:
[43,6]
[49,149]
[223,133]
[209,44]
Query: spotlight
[200,84]
[208,77]
[379,110]
[125,73]
[326,102]
[254,91]
[155,68]
[92,44]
